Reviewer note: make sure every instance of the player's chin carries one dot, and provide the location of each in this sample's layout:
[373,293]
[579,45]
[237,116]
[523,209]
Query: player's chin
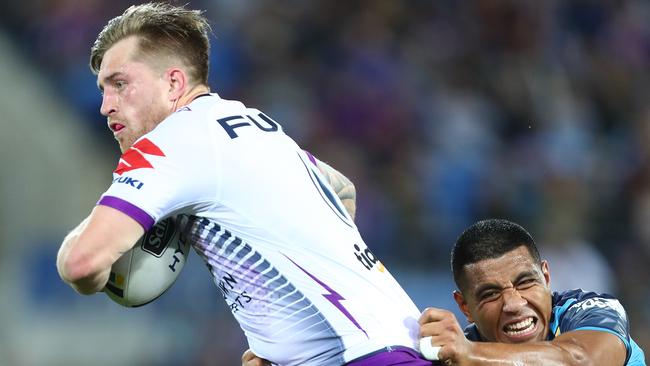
[123,143]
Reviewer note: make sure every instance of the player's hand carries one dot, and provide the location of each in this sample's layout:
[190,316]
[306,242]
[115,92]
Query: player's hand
[445,331]
[250,359]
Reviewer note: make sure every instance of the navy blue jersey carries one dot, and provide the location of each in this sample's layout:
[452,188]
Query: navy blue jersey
[580,310]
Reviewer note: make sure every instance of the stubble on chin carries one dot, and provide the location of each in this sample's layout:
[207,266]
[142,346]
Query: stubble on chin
[123,144]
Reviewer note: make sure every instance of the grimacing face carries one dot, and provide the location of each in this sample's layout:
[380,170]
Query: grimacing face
[135,96]
[508,298]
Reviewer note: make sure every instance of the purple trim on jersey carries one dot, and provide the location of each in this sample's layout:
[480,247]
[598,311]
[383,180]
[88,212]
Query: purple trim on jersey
[333,297]
[398,355]
[311,157]
[136,213]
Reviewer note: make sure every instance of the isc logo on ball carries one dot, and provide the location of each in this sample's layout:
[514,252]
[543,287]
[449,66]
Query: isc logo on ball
[155,241]
[148,269]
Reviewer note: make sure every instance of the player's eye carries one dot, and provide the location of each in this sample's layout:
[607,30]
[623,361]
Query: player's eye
[120,84]
[489,295]
[526,283]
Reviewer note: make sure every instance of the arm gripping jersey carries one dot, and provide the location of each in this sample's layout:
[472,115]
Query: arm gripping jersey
[580,310]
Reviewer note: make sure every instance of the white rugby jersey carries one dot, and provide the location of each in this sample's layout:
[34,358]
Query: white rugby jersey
[284,253]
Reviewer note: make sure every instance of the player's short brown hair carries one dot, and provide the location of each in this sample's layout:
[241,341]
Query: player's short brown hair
[165,33]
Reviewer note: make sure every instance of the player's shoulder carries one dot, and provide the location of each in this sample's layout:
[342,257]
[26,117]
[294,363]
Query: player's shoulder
[587,305]
[569,297]
[584,310]
[211,106]
[208,104]
[229,117]
[212,120]
[190,121]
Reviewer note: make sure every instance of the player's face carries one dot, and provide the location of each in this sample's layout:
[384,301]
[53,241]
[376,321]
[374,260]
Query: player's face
[135,96]
[508,298]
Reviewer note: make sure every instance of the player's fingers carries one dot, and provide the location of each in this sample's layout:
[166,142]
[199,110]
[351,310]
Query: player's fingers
[256,362]
[431,329]
[432,315]
[426,316]
[250,359]
[247,356]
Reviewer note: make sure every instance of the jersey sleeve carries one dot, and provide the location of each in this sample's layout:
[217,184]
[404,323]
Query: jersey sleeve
[600,313]
[472,333]
[170,170]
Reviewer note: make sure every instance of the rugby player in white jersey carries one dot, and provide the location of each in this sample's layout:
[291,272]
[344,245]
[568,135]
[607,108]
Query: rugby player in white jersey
[262,213]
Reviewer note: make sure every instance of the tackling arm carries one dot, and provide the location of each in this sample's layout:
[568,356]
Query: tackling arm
[343,187]
[87,253]
[579,347]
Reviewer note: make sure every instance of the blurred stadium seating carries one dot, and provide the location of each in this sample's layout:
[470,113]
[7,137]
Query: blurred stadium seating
[441,112]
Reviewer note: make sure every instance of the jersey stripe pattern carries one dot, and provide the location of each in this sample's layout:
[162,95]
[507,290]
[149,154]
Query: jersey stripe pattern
[242,275]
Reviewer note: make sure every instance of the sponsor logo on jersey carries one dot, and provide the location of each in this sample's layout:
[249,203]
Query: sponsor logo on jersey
[598,302]
[157,239]
[368,259]
[134,157]
[262,121]
[130,181]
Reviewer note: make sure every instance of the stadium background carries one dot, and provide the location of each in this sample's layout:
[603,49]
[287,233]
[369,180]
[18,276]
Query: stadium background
[441,112]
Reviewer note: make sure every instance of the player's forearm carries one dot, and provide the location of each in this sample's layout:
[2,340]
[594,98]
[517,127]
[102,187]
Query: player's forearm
[578,347]
[77,268]
[531,354]
[80,275]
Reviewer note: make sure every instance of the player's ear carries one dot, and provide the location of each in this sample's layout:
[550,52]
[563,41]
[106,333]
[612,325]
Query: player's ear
[177,81]
[547,273]
[462,305]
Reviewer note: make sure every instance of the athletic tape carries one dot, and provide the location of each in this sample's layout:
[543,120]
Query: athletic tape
[429,351]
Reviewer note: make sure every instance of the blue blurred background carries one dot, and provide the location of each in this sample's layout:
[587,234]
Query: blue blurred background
[441,112]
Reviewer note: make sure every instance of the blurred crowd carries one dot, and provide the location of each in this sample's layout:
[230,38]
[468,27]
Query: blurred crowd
[441,112]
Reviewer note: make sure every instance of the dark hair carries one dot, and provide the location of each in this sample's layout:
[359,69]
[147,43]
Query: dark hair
[488,239]
[164,32]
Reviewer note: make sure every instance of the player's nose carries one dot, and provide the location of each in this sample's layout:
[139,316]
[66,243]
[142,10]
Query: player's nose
[513,301]
[109,105]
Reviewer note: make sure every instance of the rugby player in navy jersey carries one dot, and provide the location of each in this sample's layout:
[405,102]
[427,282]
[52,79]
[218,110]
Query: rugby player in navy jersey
[504,291]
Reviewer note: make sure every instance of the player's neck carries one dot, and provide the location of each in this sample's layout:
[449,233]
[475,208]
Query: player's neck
[188,97]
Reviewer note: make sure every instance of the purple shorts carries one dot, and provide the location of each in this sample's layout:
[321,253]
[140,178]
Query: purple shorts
[397,355]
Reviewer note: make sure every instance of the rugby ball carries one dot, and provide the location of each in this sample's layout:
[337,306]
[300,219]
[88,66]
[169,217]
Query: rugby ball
[151,267]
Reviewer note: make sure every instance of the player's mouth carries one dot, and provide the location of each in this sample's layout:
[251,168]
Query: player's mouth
[116,127]
[521,330]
